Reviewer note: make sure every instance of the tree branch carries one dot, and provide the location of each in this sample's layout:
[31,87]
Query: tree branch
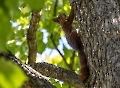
[59,73]
[31,37]
[36,80]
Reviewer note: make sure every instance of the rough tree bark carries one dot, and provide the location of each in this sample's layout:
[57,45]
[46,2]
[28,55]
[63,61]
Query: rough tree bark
[99,26]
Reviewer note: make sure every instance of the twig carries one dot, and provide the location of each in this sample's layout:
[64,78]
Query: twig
[72,60]
[55,8]
[51,37]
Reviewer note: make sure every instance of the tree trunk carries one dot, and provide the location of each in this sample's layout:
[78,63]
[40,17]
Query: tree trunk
[99,26]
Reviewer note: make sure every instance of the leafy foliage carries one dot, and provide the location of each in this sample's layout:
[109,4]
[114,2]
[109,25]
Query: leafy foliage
[15,17]
[11,76]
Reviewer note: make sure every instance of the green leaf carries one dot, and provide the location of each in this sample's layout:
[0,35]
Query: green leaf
[68,53]
[35,4]
[41,47]
[57,84]
[11,76]
[11,4]
[57,59]
[40,44]
[5,31]
[55,39]
[50,44]
[66,86]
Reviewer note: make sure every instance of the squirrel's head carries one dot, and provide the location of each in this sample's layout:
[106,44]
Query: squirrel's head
[61,18]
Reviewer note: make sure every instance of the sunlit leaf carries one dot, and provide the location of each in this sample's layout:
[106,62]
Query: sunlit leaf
[57,59]
[11,76]
[58,85]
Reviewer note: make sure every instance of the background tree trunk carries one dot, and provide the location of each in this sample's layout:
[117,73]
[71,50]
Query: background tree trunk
[99,26]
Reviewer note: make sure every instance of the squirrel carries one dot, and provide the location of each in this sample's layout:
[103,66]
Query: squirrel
[73,39]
